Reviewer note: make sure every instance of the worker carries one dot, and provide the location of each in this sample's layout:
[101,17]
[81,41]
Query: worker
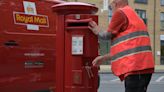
[130,53]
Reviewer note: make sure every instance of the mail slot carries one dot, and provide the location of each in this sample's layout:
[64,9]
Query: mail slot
[77,24]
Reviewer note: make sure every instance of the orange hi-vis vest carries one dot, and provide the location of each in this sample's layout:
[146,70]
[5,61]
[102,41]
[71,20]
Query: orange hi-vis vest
[131,49]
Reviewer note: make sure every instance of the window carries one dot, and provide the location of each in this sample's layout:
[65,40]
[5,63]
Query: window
[109,13]
[141,1]
[162,2]
[162,52]
[142,15]
[162,49]
[162,20]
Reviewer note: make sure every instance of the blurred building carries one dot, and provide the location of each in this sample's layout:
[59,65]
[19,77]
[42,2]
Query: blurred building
[152,13]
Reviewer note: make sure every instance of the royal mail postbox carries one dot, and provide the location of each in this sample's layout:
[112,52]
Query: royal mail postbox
[76,48]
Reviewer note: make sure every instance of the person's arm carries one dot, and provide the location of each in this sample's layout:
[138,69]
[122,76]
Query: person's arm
[118,24]
[99,59]
[104,35]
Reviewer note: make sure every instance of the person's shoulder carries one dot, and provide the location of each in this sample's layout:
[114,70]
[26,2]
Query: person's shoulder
[118,12]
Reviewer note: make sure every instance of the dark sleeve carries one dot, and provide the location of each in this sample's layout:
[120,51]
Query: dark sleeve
[119,23]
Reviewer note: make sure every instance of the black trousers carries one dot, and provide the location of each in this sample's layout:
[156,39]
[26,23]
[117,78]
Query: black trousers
[137,83]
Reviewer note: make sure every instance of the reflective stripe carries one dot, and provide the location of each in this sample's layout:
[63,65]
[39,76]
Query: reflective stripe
[130,36]
[131,52]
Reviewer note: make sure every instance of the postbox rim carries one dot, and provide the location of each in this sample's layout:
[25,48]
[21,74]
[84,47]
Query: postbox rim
[73,3]
[74,7]
[54,1]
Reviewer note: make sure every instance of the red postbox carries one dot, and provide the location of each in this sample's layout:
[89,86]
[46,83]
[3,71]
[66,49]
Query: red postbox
[76,47]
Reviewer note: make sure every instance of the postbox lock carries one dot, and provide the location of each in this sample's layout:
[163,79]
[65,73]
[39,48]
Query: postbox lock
[77,16]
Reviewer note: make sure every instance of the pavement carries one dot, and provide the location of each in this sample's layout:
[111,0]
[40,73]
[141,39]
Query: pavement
[107,69]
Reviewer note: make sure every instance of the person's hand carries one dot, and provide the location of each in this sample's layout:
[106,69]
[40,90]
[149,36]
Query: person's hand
[94,27]
[97,61]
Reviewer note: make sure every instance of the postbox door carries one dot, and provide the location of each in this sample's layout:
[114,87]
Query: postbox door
[81,47]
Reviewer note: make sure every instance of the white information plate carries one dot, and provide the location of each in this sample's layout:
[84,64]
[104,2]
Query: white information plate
[77,45]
